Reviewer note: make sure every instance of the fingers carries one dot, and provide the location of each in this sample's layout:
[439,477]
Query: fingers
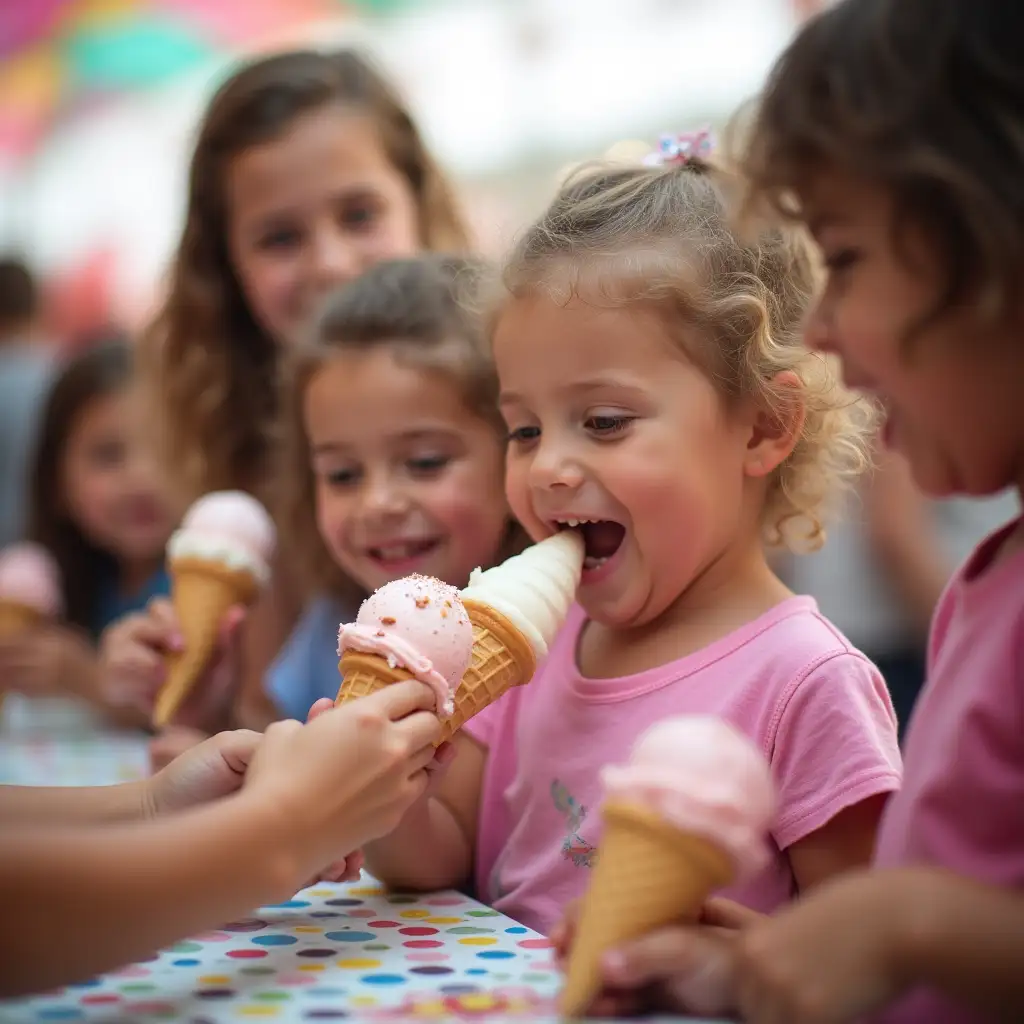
[322,705]
[156,628]
[722,913]
[237,748]
[401,699]
[663,954]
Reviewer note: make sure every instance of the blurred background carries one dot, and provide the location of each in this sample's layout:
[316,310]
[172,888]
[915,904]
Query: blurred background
[99,100]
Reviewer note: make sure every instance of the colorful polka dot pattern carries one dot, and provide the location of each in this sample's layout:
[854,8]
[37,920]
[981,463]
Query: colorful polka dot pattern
[348,952]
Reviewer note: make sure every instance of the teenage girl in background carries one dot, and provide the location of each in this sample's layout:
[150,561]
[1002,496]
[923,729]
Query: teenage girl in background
[97,504]
[307,171]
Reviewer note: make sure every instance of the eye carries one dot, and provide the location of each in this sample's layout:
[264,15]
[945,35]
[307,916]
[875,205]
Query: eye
[607,425]
[427,465]
[280,238]
[840,260]
[523,435]
[341,477]
[107,453]
[359,216]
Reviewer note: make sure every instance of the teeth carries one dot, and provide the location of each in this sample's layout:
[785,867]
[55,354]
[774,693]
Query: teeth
[590,562]
[573,523]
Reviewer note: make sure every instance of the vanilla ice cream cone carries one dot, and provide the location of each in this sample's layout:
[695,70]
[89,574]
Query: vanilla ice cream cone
[202,593]
[16,617]
[502,658]
[648,875]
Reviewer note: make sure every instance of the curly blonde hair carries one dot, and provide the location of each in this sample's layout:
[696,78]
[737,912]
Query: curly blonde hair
[420,309]
[663,237]
[208,367]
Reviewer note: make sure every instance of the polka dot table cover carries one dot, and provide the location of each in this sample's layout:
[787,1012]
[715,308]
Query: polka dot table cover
[334,952]
[88,759]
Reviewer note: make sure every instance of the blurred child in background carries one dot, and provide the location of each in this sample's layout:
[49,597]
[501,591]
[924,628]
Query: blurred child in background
[308,170]
[98,507]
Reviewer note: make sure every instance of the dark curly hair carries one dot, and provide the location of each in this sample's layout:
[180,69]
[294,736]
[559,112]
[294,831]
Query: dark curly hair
[924,98]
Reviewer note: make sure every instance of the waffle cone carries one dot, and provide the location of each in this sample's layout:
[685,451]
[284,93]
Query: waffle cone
[202,592]
[648,875]
[363,674]
[502,658]
[18,618]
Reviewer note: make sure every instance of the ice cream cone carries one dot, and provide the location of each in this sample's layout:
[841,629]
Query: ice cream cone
[202,592]
[16,617]
[648,874]
[363,674]
[502,658]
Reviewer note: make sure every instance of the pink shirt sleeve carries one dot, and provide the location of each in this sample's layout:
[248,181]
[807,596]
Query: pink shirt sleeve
[835,745]
[485,724]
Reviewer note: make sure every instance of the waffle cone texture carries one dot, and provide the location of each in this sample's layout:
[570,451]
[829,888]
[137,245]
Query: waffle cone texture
[502,658]
[648,875]
[202,593]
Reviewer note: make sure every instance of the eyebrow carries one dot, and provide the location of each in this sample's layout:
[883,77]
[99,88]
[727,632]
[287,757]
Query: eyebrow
[416,434]
[583,387]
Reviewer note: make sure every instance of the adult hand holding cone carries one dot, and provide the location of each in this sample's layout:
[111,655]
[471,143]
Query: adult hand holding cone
[219,559]
[687,816]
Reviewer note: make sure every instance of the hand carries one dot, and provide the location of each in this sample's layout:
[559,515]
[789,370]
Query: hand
[213,769]
[47,662]
[349,775]
[173,742]
[133,665]
[830,957]
[683,968]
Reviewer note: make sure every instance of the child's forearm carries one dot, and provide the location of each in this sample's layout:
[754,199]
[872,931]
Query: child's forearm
[112,895]
[40,805]
[428,850]
[967,939]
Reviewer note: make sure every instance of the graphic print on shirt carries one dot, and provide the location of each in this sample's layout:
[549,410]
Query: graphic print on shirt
[574,847]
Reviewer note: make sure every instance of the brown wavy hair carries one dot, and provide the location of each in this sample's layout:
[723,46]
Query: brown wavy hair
[208,367]
[661,237]
[100,371]
[425,309]
[924,98]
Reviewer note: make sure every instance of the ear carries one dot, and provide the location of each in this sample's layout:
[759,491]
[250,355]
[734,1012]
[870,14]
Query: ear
[775,432]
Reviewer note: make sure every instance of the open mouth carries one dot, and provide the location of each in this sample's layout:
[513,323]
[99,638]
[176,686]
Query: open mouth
[602,538]
[400,551]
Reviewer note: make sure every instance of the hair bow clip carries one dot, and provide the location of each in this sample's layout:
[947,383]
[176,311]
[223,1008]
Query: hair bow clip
[682,148]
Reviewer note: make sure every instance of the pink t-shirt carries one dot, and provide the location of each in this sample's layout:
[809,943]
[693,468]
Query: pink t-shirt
[962,802]
[817,708]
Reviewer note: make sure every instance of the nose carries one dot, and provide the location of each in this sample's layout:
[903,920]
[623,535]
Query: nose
[334,258]
[553,467]
[383,497]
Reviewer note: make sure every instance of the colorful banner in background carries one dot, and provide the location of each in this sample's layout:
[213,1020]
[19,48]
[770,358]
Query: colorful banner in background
[60,57]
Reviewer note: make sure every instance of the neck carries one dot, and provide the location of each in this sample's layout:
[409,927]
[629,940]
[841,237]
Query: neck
[133,573]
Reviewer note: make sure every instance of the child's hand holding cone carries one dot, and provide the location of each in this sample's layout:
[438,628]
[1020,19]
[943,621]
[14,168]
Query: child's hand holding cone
[686,817]
[218,559]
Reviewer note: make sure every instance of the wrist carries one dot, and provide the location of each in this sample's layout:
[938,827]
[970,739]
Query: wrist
[272,837]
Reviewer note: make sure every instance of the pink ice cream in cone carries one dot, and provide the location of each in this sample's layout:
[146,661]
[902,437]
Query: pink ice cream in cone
[688,815]
[220,557]
[30,589]
[415,627]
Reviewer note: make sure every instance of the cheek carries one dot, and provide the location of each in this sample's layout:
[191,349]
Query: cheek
[331,517]
[518,491]
[269,286]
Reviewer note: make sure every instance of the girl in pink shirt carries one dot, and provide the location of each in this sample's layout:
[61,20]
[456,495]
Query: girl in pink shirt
[660,401]
[895,130]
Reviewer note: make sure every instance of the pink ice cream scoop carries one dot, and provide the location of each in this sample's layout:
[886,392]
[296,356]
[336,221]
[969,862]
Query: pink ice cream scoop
[230,527]
[29,577]
[420,624]
[700,775]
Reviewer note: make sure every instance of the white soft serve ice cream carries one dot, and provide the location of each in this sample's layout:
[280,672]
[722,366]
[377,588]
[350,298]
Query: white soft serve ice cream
[230,528]
[533,590]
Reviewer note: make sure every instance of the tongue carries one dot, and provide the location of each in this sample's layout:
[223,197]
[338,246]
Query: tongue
[602,540]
